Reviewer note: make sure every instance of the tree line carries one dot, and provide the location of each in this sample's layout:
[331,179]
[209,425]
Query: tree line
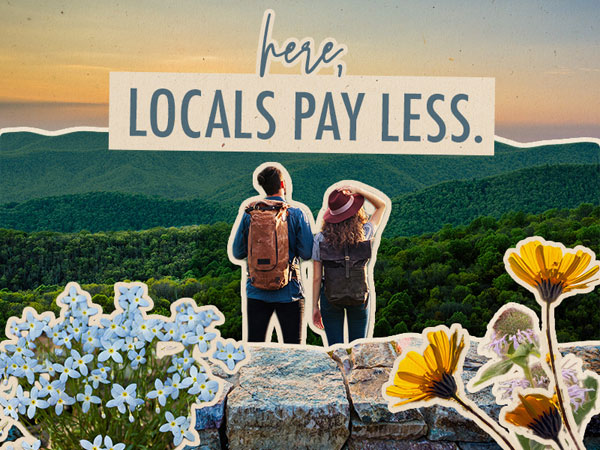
[453,275]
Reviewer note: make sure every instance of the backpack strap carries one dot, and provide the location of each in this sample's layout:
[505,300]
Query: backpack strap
[294,268]
[267,205]
[262,207]
[347,261]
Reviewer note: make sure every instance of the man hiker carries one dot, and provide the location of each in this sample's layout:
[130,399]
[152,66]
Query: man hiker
[273,235]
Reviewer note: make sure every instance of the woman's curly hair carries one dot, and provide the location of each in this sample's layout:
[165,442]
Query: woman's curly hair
[348,232]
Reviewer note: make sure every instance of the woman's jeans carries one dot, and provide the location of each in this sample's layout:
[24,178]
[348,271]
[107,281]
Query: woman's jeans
[333,321]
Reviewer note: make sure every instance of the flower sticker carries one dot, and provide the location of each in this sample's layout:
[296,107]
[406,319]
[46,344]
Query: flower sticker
[550,270]
[111,364]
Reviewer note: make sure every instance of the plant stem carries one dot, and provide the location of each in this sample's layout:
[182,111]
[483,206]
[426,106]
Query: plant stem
[486,420]
[527,372]
[560,447]
[566,415]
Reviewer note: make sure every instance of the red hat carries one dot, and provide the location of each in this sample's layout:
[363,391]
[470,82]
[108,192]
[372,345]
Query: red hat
[342,206]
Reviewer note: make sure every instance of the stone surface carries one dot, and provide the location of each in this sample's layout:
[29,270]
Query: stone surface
[288,398]
[589,354]
[342,357]
[373,425]
[473,360]
[592,443]
[209,440]
[306,398]
[593,427]
[445,424]
[367,400]
[376,354]
[210,419]
[217,371]
[401,445]
[448,424]
[373,419]
[479,446]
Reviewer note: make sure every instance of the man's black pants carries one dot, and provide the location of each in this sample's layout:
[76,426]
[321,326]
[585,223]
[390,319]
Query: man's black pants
[289,315]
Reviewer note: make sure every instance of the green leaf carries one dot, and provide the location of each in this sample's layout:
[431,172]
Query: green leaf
[525,350]
[520,361]
[497,369]
[529,444]
[521,356]
[584,410]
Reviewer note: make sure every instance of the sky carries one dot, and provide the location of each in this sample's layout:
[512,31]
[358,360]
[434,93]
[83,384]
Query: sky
[55,56]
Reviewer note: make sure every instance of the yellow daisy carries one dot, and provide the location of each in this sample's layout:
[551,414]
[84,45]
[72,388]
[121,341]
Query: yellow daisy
[427,376]
[545,267]
[539,414]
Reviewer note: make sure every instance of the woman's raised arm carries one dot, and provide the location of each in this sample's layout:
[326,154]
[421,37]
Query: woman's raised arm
[376,201]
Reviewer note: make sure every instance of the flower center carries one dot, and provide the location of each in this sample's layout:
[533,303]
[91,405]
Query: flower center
[444,388]
[549,290]
[547,426]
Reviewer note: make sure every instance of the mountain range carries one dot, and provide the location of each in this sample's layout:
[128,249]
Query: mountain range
[34,166]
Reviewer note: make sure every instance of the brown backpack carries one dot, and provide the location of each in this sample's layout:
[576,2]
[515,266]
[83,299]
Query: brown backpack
[345,279]
[268,245]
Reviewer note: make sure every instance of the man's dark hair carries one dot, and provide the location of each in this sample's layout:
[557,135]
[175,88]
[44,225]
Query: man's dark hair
[270,180]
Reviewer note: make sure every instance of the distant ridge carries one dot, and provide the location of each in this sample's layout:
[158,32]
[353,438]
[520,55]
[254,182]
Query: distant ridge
[36,166]
[108,211]
[532,190]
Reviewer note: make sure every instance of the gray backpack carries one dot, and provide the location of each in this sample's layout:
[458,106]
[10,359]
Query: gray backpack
[345,279]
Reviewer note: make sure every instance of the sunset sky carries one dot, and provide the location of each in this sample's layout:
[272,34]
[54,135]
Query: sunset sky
[55,56]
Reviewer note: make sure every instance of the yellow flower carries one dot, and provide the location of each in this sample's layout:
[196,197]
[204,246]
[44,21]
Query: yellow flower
[538,413]
[544,267]
[427,376]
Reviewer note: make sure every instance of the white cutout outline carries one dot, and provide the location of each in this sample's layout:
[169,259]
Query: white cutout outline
[502,140]
[484,350]
[11,384]
[376,240]
[457,375]
[593,262]
[305,266]
[462,333]
[550,328]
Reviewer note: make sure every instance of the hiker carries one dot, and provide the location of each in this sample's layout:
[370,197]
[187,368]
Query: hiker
[340,255]
[273,235]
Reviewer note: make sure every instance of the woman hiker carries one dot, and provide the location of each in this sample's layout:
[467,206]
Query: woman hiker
[340,255]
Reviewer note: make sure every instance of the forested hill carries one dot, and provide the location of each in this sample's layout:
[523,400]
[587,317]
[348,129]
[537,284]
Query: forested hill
[531,190]
[36,166]
[109,211]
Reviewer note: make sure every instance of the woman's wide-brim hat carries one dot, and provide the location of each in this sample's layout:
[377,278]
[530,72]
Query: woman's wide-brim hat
[342,206]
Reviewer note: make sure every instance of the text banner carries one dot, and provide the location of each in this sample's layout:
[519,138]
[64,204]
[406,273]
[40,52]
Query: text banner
[296,113]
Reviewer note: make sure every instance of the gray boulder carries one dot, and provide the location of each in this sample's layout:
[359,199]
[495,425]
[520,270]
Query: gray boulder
[288,398]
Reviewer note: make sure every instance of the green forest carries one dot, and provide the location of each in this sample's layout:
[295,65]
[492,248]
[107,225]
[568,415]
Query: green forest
[72,210]
[453,275]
